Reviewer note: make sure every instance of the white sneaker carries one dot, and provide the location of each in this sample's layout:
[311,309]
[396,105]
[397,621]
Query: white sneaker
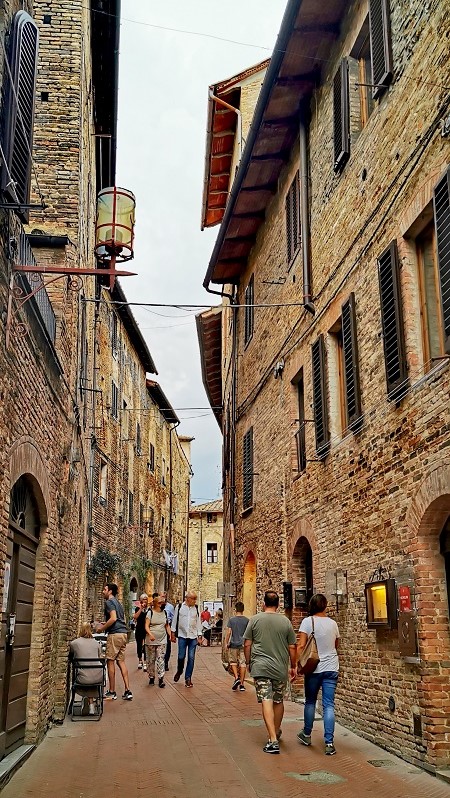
[139,665]
[145,666]
[91,709]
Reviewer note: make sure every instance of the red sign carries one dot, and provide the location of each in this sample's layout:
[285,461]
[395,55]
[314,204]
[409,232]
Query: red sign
[404,596]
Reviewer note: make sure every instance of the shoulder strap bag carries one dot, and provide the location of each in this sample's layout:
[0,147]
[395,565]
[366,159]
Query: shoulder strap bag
[309,658]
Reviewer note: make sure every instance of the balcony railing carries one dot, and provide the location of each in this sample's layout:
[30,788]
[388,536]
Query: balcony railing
[29,282]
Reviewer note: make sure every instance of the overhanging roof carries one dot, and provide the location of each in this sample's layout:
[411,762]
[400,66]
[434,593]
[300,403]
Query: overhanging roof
[301,53]
[132,328]
[215,506]
[160,398]
[209,331]
[220,143]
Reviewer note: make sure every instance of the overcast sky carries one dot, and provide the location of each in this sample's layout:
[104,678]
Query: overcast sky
[164,79]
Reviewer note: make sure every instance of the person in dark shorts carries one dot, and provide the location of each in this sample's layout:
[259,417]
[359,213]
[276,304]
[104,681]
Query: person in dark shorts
[234,641]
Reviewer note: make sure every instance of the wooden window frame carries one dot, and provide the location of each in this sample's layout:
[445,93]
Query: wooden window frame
[114,400]
[441,211]
[151,462]
[350,353]
[341,116]
[300,436]
[392,329]
[380,46]
[212,549]
[320,399]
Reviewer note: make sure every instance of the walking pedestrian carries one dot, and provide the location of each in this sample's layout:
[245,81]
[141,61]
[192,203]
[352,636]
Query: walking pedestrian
[170,609]
[187,630]
[269,648]
[116,643]
[234,641]
[139,632]
[156,628]
[325,675]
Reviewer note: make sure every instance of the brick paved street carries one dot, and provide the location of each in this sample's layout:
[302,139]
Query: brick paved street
[179,743]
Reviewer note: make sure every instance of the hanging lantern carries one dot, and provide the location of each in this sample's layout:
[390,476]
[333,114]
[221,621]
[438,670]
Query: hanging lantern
[114,230]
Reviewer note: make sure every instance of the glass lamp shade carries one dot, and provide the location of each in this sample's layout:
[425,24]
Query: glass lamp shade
[114,230]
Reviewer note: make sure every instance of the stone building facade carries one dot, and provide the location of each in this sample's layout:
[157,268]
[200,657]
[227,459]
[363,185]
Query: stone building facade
[334,259]
[205,551]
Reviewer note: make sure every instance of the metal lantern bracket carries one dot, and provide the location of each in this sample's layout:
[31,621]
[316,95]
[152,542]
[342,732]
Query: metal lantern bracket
[17,297]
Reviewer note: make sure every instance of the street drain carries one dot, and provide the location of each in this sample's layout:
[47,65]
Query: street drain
[317,777]
[381,763]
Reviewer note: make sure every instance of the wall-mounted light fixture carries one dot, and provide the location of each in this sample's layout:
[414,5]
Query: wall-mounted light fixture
[381,601]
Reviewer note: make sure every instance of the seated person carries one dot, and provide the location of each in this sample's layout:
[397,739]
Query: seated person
[86,647]
[218,619]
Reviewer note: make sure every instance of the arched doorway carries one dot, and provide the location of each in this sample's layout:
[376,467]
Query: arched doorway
[444,541]
[17,612]
[249,589]
[302,578]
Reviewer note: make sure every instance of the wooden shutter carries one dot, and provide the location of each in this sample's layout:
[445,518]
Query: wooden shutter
[351,365]
[392,323]
[380,46]
[19,109]
[441,203]
[341,110]
[320,396]
[249,315]
[247,470]
[293,237]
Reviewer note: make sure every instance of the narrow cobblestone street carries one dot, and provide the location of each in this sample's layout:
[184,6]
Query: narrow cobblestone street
[179,743]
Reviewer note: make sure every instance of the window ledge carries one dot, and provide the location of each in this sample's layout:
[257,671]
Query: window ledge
[247,511]
[440,366]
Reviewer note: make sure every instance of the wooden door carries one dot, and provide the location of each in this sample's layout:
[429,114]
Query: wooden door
[17,615]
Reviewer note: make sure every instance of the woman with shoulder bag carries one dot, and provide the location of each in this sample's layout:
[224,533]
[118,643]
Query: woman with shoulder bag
[325,674]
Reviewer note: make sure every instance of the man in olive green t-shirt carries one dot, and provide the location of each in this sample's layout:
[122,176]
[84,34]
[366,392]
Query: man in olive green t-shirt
[269,649]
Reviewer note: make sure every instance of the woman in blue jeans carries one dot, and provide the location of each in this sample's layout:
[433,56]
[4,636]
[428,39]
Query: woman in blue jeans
[326,673]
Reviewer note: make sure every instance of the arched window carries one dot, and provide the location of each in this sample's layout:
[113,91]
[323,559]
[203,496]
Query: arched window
[20,89]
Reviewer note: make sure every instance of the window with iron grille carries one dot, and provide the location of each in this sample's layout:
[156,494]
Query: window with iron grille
[341,116]
[293,228]
[211,552]
[247,470]
[151,462]
[320,396]
[392,323]
[114,400]
[19,111]
[249,301]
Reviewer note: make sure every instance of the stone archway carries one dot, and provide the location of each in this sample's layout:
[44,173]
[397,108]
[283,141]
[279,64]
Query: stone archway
[427,520]
[249,586]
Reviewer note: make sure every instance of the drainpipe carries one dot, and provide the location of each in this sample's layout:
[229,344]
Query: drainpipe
[304,217]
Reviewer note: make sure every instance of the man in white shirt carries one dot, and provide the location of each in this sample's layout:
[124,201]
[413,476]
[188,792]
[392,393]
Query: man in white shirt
[187,629]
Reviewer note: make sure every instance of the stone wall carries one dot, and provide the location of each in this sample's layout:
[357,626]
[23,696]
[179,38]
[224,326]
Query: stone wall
[203,576]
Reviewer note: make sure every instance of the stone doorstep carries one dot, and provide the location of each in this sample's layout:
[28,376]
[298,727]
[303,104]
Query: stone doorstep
[13,762]
[443,774]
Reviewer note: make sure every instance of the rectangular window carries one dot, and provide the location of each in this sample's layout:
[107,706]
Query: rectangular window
[151,462]
[249,311]
[300,437]
[130,508]
[360,71]
[103,481]
[163,472]
[430,299]
[211,552]
[293,228]
[247,470]
[380,46]
[351,386]
[441,208]
[341,116]
[114,335]
[138,440]
[335,372]
[392,323]
[211,518]
[318,356]
[114,400]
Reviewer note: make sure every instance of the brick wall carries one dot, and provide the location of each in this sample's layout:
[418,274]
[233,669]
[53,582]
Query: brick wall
[358,508]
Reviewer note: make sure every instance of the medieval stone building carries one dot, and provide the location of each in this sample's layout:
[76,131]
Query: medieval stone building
[327,363]
[205,553]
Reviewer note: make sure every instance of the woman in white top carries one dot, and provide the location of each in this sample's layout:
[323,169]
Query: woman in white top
[156,628]
[325,675]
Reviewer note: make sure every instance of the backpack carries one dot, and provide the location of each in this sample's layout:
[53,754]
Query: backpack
[177,610]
